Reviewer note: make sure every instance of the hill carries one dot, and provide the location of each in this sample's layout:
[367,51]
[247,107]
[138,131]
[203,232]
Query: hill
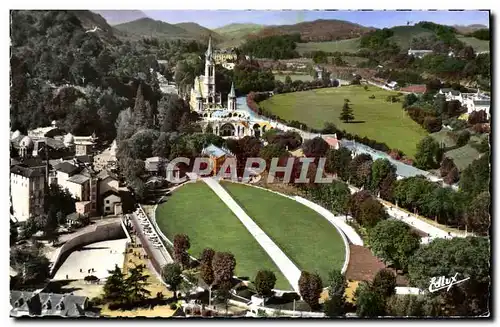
[89,20]
[404,34]
[147,27]
[466,29]
[235,34]
[115,17]
[318,30]
[200,31]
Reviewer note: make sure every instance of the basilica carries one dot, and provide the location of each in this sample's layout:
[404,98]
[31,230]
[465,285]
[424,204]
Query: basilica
[223,120]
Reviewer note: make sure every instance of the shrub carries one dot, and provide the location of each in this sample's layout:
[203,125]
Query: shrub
[173,306]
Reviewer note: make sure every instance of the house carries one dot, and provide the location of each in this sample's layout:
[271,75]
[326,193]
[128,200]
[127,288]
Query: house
[451,94]
[107,181]
[415,88]
[392,85]
[155,165]
[224,55]
[49,131]
[332,141]
[27,190]
[419,53]
[111,203]
[228,65]
[84,144]
[81,181]
[217,156]
[24,303]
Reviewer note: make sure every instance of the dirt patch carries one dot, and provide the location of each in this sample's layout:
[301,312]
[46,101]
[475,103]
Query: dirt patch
[363,265]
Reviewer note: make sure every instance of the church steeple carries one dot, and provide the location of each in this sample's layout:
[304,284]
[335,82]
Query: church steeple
[209,53]
[232,94]
[231,99]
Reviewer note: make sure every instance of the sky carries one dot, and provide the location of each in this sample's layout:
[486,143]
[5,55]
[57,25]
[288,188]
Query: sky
[378,19]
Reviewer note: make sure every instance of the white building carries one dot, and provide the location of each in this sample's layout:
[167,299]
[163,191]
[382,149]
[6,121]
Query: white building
[112,203]
[472,101]
[419,53]
[27,189]
[228,65]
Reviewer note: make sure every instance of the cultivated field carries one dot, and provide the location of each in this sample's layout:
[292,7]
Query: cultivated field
[196,211]
[349,45]
[375,118]
[307,238]
[294,77]
[478,45]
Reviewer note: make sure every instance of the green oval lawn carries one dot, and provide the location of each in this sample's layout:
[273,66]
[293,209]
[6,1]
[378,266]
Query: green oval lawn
[194,209]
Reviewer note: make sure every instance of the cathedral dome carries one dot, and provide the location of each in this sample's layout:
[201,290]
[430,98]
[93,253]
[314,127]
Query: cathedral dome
[15,135]
[68,138]
[26,142]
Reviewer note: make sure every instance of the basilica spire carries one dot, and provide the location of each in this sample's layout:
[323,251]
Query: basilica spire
[209,50]
[232,94]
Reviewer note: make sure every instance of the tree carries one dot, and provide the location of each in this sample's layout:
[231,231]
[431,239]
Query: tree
[384,283]
[338,161]
[171,275]
[432,124]
[476,177]
[408,305]
[206,270]
[463,138]
[466,257]
[370,213]
[264,282]
[478,214]
[335,305]
[355,202]
[32,265]
[137,283]
[346,115]
[181,245]
[310,286]
[115,289]
[478,117]
[271,151]
[315,148]
[447,164]
[381,169]
[427,150]
[452,176]
[394,243]
[369,303]
[360,170]
[409,100]
[223,264]
[13,233]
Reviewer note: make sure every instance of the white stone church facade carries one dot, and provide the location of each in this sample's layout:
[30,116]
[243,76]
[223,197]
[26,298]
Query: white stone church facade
[224,120]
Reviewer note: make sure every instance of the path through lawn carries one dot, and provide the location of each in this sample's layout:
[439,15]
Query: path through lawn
[196,210]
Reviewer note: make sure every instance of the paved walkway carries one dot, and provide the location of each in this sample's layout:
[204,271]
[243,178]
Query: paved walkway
[101,256]
[413,221]
[287,267]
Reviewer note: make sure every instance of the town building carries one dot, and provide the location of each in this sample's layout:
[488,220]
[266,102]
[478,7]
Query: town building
[472,101]
[419,53]
[111,203]
[332,141]
[27,190]
[25,303]
[217,156]
[223,56]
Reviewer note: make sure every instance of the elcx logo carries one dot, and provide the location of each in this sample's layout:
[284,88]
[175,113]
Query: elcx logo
[439,283]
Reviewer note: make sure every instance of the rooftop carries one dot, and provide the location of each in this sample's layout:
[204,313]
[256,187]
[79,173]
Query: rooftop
[215,151]
[78,179]
[26,171]
[23,303]
[103,174]
[66,167]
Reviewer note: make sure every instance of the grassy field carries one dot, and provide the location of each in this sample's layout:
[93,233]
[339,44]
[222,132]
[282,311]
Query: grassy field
[349,45]
[376,118]
[196,211]
[294,77]
[463,156]
[478,45]
[353,60]
[307,238]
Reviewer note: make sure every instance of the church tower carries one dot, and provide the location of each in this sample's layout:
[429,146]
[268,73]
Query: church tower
[209,80]
[231,99]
